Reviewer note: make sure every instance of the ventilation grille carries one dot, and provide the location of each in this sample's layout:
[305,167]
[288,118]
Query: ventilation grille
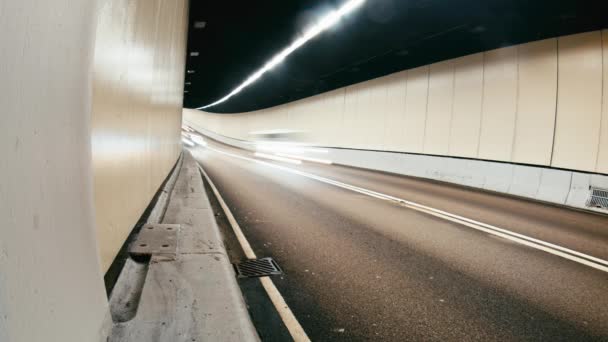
[598,198]
[258,268]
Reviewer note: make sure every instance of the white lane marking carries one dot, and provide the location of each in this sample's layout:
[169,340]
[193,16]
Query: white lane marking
[277,158]
[548,247]
[289,319]
[314,160]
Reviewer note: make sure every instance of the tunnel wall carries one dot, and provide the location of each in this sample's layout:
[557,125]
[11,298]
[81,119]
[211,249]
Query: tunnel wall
[90,127]
[529,120]
[540,103]
[137,107]
[51,285]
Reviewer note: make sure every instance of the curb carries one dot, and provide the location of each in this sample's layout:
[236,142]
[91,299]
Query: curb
[196,296]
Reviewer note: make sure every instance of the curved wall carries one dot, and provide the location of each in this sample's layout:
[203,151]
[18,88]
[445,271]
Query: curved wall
[541,103]
[51,284]
[91,97]
[140,55]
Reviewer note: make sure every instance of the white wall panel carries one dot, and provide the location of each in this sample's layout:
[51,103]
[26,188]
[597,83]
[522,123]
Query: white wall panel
[579,103]
[536,102]
[319,116]
[372,115]
[466,116]
[349,116]
[296,119]
[240,126]
[334,120]
[361,100]
[415,109]
[361,110]
[138,77]
[51,278]
[499,104]
[602,159]
[394,108]
[332,115]
[314,119]
[439,113]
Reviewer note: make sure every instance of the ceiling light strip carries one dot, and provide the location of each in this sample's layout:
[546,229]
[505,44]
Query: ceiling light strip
[326,22]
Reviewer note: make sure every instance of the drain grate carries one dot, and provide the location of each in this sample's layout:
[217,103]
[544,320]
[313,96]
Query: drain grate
[258,268]
[598,198]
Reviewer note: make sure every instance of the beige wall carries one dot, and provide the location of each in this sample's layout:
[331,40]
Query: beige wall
[499,108]
[535,121]
[137,100]
[579,101]
[439,108]
[541,103]
[89,128]
[602,157]
[51,285]
[467,108]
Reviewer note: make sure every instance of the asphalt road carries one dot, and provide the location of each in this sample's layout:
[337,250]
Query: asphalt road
[360,268]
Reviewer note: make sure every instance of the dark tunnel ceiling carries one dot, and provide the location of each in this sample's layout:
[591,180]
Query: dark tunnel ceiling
[381,37]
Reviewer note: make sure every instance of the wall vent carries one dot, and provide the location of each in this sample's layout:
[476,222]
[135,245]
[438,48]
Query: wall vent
[598,198]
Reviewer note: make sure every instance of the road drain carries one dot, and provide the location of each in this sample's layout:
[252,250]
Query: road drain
[257,268]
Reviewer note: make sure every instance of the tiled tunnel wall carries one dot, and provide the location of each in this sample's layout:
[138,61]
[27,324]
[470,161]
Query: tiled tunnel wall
[542,103]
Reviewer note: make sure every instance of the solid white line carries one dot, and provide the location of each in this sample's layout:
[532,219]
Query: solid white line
[289,319]
[277,158]
[314,160]
[548,247]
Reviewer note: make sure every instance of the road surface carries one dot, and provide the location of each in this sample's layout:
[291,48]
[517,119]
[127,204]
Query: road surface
[359,267]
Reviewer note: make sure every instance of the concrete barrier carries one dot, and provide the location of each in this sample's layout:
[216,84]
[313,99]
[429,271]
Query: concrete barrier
[525,181]
[554,186]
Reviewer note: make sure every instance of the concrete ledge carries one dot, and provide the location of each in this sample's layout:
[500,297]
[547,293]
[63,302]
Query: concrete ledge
[525,181]
[563,187]
[195,297]
[554,186]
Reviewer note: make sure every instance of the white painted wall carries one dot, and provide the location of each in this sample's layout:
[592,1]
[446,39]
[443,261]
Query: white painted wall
[579,104]
[536,106]
[467,107]
[90,127]
[542,103]
[51,286]
[138,81]
[499,104]
[439,108]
